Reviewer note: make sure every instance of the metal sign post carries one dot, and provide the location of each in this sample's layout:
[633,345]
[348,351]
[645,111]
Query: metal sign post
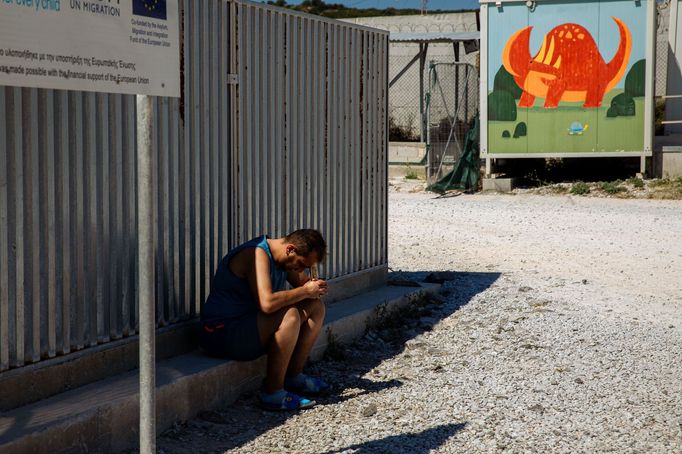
[145,273]
[127,47]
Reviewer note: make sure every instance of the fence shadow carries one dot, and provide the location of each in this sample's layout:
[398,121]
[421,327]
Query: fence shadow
[413,442]
[345,368]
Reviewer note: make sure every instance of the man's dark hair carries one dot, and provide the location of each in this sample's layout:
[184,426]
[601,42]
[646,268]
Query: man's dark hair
[307,241]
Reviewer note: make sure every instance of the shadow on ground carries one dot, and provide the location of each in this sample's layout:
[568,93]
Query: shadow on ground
[346,368]
[412,442]
[533,172]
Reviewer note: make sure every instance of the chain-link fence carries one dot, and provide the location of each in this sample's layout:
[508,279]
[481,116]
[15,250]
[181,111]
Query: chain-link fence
[403,96]
[404,114]
[663,22]
[452,104]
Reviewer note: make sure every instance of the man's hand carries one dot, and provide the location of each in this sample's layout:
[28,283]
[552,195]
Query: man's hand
[316,288]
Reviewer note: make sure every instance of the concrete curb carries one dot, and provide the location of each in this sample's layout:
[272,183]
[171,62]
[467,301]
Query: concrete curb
[104,416]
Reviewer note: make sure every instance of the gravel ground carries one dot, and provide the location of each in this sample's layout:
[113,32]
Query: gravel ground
[560,330]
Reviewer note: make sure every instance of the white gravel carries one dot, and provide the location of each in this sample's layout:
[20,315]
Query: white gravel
[560,332]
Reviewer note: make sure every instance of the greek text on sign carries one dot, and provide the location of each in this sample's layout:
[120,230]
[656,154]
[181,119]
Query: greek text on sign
[113,46]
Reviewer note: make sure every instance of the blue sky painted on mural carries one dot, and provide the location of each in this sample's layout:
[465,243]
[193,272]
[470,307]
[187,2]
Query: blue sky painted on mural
[451,5]
[595,17]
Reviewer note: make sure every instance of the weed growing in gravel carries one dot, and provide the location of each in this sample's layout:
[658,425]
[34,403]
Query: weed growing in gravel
[636,182]
[612,187]
[393,323]
[666,188]
[658,182]
[580,188]
[662,189]
[411,175]
[334,350]
[558,189]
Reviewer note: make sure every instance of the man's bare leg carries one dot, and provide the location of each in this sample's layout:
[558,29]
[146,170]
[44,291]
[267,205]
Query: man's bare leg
[312,313]
[279,332]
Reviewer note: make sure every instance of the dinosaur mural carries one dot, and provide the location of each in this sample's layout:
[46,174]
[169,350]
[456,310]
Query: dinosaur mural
[568,66]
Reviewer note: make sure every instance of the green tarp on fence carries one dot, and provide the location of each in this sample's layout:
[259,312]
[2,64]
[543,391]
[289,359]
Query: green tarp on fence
[465,175]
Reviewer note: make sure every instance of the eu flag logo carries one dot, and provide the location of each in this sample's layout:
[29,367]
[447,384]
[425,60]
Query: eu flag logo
[150,8]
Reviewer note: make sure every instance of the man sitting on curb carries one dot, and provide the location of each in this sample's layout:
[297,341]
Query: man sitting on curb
[248,313]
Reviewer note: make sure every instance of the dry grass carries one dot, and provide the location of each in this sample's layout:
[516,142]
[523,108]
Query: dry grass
[632,188]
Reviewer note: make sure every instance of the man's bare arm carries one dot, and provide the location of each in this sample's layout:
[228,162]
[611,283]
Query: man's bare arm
[261,286]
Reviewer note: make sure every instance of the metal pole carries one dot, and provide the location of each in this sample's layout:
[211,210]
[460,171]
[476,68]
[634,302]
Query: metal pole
[427,146]
[483,87]
[673,109]
[145,270]
[423,48]
[649,87]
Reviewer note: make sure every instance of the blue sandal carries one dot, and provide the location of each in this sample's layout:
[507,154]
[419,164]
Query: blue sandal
[284,401]
[305,384]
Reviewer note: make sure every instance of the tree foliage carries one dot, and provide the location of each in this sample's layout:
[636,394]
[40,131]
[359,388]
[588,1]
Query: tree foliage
[634,81]
[505,81]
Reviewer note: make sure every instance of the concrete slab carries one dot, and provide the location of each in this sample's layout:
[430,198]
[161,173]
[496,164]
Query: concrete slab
[406,152]
[47,378]
[39,381]
[104,416]
[498,184]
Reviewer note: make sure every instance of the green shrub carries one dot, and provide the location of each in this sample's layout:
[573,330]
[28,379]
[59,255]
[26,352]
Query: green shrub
[580,188]
[501,106]
[659,182]
[558,189]
[520,130]
[611,187]
[411,175]
[622,105]
[636,182]
[634,81]
[505,82]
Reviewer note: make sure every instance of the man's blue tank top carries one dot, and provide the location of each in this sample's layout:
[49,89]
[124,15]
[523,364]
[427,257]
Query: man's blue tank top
[230,295]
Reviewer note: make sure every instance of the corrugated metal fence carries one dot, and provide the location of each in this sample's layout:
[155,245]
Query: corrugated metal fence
[299,141]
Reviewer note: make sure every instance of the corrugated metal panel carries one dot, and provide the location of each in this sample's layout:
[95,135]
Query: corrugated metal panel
[65,201]
[299,142]
[312,122]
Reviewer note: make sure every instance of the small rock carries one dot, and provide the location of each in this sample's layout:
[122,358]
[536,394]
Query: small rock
[369,410]
[537,407]
[414,344]
[584,281]
[579,381]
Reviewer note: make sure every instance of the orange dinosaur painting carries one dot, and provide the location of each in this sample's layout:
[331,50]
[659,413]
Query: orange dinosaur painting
[568,66]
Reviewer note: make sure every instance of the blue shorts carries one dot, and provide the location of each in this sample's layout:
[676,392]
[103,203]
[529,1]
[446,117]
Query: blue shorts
[235,338]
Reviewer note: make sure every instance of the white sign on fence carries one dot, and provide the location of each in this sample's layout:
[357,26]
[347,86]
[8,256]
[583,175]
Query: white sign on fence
[114,46]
